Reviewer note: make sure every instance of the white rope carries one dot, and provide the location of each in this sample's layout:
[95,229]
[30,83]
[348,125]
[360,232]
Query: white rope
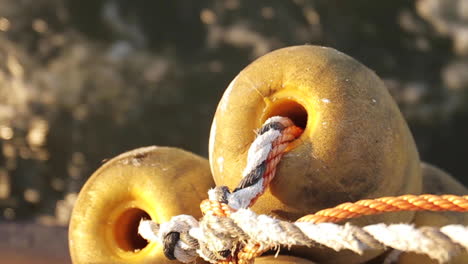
[259,150]
[258,153]
[221,233]
[149,230]
[153,232]
[407,238]
[457,233]
[252,183]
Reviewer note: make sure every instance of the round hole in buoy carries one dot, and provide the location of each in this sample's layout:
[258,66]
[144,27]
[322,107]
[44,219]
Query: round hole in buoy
[288,108]
[126,230]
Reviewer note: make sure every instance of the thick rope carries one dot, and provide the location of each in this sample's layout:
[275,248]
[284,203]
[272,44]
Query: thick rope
[220,235]
[174,236]
[230,233]
[263,157]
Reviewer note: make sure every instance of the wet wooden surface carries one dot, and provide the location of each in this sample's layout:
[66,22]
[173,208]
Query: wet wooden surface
[31,243]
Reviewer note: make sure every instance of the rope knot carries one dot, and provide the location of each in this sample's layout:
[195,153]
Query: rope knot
[174,236]
[219,238]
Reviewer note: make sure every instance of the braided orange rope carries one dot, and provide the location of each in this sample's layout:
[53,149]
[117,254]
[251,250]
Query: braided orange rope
[216,208]
[424,202]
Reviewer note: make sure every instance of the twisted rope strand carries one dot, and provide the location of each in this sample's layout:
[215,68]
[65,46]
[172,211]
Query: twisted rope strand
[263,157]
[265,232]
[286,132]
[216,208]
[280,145]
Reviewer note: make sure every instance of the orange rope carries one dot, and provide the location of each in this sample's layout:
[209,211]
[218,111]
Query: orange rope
[424,202]
[216,208]
[249,252]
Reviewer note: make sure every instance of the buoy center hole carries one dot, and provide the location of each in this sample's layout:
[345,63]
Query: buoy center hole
[126,230]
[291,109]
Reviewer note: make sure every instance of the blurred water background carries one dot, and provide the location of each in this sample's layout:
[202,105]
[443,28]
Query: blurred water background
[82,81]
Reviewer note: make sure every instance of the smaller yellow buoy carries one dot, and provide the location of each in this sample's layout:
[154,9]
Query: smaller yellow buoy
[153,183]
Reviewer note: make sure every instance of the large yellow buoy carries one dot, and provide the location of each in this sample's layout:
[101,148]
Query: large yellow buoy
[355,143]
[153,183]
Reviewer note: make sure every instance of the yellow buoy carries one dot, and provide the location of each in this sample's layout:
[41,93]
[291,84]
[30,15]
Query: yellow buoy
[152,183]
[355,143]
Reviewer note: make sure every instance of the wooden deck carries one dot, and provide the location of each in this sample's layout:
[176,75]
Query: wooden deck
[31,243]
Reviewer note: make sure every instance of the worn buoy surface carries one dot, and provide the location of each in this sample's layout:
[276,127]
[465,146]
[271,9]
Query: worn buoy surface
[355,143]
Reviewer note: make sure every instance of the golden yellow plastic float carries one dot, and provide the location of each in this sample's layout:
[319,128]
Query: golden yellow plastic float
[355,143]
[153,183]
